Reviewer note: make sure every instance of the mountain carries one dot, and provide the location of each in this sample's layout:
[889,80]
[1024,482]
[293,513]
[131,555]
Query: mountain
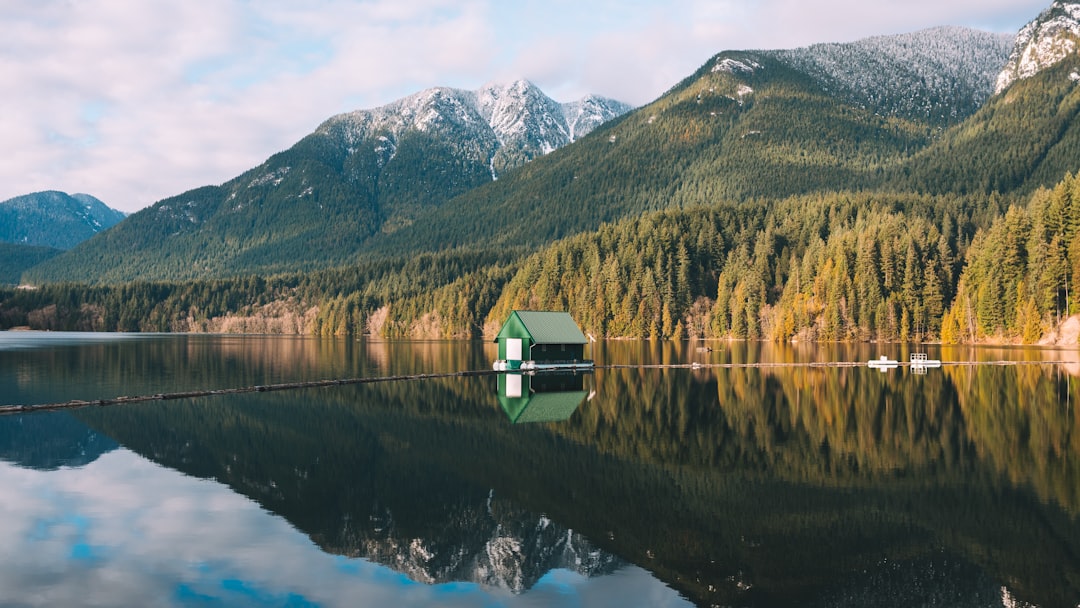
[504,126]
[785,194]
[38,227]
[1048,39]
[1027,136]
[358,175]
[16,259]
[54,219]
[746,125]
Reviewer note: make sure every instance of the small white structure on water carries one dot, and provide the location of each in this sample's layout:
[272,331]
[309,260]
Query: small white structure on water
[919,363]
[883,363]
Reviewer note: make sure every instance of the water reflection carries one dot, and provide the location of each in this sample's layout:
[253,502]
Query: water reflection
[757,487]
[50,442]
[545,397]
[123,531]
[111,366]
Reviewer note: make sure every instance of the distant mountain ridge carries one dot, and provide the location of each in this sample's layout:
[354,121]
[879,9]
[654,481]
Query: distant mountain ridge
[54,219]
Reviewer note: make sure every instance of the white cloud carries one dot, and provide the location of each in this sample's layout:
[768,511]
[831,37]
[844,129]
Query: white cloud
[133,102]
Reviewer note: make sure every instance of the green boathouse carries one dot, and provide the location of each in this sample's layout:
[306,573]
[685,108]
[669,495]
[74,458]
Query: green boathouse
[542,337]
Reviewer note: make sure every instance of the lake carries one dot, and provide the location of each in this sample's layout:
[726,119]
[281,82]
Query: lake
[779,486]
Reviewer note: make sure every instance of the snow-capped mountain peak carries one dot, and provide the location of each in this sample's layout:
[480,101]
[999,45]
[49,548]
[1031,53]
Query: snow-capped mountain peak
[520,113]
[502,125]
[1047,40]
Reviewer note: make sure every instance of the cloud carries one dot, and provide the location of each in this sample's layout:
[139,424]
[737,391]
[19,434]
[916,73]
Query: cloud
[134,102]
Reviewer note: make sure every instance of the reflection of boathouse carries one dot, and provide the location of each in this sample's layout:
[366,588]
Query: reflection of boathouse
[545,397]
[537,340]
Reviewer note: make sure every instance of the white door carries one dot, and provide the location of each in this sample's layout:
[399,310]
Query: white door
[513,349]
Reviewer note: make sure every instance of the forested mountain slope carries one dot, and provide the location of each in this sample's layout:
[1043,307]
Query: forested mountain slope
[1024,138]
[15,259]
[359,174]
[753,124]
[1027,136]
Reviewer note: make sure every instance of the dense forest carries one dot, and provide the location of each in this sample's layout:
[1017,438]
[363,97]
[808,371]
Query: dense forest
[18,258]
[855,266]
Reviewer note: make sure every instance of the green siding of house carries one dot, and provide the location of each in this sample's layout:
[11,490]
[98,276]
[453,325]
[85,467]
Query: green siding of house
[514,328]
[558,352]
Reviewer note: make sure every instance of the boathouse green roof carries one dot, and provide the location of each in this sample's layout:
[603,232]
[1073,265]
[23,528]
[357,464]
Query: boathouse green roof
[543,327]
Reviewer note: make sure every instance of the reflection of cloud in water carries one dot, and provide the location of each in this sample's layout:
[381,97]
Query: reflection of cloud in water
[124,530]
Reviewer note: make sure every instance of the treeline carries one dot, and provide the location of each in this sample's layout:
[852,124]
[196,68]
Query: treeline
[1020,276]
[846,267]
[332,302]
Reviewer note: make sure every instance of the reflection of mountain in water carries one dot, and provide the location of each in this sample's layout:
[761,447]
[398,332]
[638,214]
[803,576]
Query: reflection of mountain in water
[504,548]
[50,441]
[348,473]
[735,487]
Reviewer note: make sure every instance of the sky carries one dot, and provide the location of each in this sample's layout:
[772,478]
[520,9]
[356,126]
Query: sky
[133,102]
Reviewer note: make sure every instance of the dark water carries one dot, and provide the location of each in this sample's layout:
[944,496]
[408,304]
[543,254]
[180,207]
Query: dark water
[629,487]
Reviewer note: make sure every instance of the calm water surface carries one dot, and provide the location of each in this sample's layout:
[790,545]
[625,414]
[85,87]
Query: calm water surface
[629,487]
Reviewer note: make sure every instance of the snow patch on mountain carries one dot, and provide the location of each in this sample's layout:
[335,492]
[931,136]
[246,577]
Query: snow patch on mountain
[736,66]
[1050,38]
[942,74]
[502,125]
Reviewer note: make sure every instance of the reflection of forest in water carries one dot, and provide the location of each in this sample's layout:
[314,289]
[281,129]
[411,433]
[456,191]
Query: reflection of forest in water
[746,486]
